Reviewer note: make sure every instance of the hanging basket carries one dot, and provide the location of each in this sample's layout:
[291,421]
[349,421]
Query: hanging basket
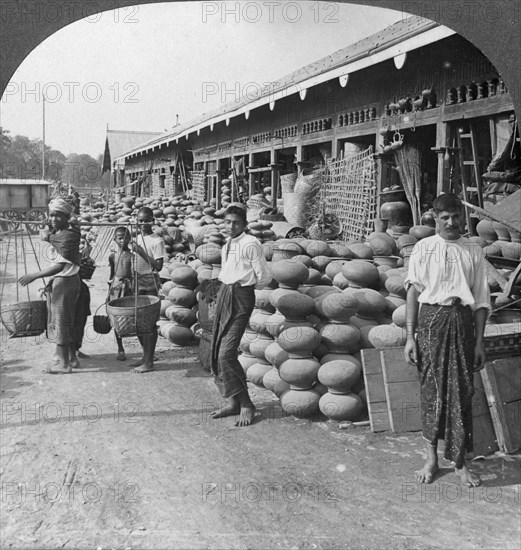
[134,315]
[101,323]
[86,271]
[24,318]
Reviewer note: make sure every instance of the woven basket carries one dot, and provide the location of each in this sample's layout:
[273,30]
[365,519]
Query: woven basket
[295,208]
[86,271]
[287,182]
[131,320]
[101,323]
[25,318]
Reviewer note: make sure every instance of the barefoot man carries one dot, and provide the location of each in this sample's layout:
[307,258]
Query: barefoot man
[447,307]
[150,254]
[243,268]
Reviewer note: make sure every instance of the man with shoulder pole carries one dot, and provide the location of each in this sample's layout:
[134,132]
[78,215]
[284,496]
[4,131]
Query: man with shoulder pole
[447,306]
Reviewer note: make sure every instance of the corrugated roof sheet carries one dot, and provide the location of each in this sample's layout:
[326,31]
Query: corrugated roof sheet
[385,38]
[120,141]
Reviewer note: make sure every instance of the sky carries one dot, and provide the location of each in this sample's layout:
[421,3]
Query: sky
[136,68]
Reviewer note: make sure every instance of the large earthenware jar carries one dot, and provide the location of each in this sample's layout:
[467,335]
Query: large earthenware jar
[300,403]
[300,372]
[289,274]
[397,213]
[341,406]
[340,376]
[360,273]
[485,229]
[503,234]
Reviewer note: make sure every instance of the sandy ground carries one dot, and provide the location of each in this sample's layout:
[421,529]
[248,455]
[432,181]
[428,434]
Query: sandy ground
[105,459]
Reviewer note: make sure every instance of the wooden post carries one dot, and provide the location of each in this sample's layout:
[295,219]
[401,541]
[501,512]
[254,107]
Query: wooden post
[441,149]
[218,179]
[250,175]
[274,176]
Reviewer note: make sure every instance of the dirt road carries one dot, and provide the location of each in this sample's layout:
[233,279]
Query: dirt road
[106,459]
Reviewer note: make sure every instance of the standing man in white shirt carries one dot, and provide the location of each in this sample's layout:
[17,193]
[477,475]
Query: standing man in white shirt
[243,268]
[447,305]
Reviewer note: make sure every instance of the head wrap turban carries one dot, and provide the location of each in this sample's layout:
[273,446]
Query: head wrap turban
[61,205]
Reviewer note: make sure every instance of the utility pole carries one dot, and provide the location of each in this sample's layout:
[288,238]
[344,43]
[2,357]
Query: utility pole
[43,138]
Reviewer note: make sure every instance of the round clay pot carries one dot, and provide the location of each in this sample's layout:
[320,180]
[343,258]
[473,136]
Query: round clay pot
[289,274]
[258,320]
[322,261]
[421,231]
[386,261]
[181,316]
[273,325]
[406,240]
[341,249]
[300,373]
[395,286]
[259,345]
[247,360]
[182,297]
[256,372]
[209,253]
[371,303]
[339,376]
[185,277]
[301,404]
[340,281]
[273,382]
[361,251]
[318,248]
[285,251]
[303,259]
[341,406]
[165,304]
[381,243]
[503,234]
[391,304]
[279,292]
[262,299]
[360,273]
[387,336]
[485,229]
[339,308]
[296,307]
[299,340]
[180,336]
[314,277]
[399,316]
[319,290]
[333,268]
[493,249]
[276,355]
[360,322]
[397,213]
[342,338]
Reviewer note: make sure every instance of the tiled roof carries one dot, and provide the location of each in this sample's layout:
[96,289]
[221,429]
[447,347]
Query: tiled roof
[366,47]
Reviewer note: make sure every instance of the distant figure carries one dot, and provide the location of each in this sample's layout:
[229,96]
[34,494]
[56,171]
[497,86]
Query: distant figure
[447,304]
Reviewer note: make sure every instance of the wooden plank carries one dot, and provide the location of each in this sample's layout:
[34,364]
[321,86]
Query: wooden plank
[501,378]
[402,388]
[375,390]
[484,436]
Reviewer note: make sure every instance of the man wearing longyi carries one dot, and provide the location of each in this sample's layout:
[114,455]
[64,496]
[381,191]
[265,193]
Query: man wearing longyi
[447,304]
[64,289]
[243,268]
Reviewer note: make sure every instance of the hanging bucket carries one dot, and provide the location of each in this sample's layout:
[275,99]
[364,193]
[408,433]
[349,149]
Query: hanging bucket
[101,323]
[24,318]
[134,315]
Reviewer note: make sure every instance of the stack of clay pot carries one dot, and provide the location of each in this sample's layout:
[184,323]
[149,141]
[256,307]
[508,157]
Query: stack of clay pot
[256,339]
[181,314]
[498,240]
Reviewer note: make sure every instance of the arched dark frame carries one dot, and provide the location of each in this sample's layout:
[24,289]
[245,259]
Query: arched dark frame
[491,25]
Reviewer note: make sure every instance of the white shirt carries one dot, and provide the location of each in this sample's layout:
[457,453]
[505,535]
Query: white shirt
[243,262]
[154,246]
[69,269]
[442,270]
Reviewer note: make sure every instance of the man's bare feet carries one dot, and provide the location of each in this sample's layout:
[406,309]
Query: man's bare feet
[427,473]
[121,356]
[62,370]
[231,409]
[246,416]
[142,369]
[74,363]
[138,362]
[468,479]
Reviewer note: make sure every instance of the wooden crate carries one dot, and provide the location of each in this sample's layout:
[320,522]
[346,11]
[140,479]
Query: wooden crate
[502,384]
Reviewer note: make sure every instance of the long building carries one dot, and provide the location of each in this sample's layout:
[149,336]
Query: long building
[416,82]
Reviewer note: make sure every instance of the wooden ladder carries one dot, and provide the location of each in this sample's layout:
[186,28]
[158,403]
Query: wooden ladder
[470,173]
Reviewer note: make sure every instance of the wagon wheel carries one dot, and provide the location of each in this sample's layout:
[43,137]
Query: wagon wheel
[14,218]
[38,219]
